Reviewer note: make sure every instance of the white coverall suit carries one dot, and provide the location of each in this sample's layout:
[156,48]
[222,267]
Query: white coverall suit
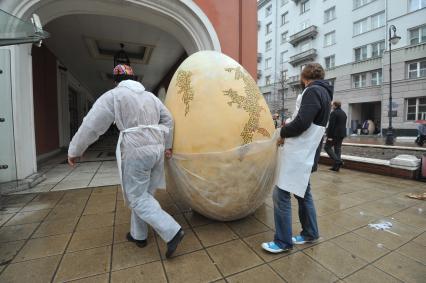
[146,129]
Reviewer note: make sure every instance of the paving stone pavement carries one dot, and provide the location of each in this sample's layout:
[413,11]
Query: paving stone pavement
[79,236]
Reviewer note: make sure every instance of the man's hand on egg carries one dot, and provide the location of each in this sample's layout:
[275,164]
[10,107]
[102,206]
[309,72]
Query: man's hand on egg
[168,153]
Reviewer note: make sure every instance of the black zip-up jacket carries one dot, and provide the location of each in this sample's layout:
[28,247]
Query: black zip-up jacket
[337,124]
[314,108]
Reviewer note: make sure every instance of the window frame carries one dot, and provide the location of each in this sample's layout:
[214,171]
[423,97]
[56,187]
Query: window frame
[282,53]
[327,20]
[380,50]
[419,31]
[268,10]
[378,80]
[380,15]
[417,114]
[361,53]
[355,33]
[284,16]
[268,64]
[419,5]
[286,37]
[354,80]
[333,56]
[268,28]
[333,38]
[268,80]
[305,8]
[268,45]
[418,70]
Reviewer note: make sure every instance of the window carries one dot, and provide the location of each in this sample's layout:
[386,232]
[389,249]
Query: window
[268,28]
[329,61]
[360,3]
[416,108]
[268,80]
[268,45]
[377,49]
[330,38]
[359,80]
[418,35]
[360,26]
[268,63]
[268,10]
[414,5]
[329,14]
[304,24]
[378,20]
[305,6]
[360,53]
[376,78]
[284,75]
[284,37]
[417,69]
[284,18]
[304,46]
[282,56]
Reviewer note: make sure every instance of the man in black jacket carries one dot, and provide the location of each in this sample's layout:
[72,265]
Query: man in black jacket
[336,132]
[312,117]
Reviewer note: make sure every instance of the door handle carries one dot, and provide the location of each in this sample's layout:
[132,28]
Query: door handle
[2,120]
[5,166]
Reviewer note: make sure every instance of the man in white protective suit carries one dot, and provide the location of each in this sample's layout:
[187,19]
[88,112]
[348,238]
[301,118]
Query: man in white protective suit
[146,135]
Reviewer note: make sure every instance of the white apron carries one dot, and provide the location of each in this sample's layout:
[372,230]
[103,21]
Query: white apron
[296,157]
[139,128]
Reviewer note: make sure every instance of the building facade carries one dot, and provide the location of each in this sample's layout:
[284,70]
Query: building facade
[350,39]
[47,90]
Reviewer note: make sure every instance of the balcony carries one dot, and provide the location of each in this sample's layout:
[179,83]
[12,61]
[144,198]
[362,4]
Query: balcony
[308,55]
[309,32]
[293,81]
[259,57]
[259,74]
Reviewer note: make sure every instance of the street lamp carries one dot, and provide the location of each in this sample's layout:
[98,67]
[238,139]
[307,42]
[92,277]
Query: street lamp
[393,39]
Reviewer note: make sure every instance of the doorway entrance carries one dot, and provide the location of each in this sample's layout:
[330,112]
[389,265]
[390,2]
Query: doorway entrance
[365,115]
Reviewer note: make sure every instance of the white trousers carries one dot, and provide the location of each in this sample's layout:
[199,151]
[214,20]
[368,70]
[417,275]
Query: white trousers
[145,208]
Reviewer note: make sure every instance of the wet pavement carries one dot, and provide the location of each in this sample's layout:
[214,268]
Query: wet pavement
[78,235]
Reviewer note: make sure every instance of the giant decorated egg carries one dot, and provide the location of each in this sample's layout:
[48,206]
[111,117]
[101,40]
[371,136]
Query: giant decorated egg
[224,148]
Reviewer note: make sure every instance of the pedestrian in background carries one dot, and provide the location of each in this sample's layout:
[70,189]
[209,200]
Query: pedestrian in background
[336,132]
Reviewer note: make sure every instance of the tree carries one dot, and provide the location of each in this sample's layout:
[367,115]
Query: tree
[280,89]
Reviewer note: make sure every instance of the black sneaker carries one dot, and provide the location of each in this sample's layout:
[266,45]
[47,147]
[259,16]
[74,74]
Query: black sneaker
[173,244]
[139,243]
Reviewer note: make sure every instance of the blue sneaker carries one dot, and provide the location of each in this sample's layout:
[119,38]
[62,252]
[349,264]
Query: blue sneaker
[300,240]
[274,248]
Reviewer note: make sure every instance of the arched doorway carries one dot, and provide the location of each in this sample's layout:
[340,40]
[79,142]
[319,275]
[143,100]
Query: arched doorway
[182,19]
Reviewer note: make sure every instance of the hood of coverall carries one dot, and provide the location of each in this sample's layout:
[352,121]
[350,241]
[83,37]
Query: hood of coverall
[132,85]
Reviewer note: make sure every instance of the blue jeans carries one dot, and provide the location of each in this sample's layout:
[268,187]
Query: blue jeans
[282,217]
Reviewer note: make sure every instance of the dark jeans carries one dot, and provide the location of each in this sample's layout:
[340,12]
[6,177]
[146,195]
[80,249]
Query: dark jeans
[336,153]
[282,216]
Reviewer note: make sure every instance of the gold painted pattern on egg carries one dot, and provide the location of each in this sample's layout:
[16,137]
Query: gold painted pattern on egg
[250,103]
[183,82]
